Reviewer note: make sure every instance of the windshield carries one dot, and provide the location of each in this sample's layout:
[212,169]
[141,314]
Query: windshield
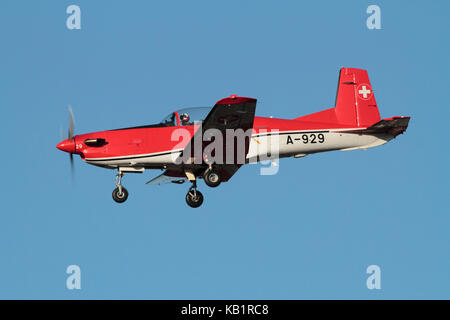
[170,120]
[188,116]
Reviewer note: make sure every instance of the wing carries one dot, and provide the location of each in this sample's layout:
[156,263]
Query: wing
[231,113]
[168,176]
[235,113]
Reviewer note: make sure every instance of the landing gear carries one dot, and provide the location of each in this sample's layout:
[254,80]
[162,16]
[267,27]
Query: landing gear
[194,198]
[212,178]
[119,194]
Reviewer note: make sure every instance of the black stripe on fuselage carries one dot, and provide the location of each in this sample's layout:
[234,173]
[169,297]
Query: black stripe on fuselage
[133,157]
[287,132]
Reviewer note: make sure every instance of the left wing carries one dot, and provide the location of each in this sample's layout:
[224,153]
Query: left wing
[168,176]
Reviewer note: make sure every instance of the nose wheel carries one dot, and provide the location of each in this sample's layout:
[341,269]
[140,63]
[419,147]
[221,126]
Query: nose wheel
[194,198]
[119,194]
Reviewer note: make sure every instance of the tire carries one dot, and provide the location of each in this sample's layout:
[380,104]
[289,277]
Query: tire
[212,178]
[119,198]
[194,202]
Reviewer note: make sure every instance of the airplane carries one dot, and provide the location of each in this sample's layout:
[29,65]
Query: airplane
[353,123]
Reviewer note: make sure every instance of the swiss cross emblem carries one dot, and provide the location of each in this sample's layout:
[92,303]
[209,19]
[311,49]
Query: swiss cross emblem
[364,91]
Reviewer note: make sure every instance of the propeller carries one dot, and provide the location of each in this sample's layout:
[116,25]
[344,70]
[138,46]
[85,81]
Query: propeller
[68,144]
[70,137]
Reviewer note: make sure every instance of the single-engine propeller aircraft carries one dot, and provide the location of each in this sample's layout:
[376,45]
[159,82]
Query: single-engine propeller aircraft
[193,143]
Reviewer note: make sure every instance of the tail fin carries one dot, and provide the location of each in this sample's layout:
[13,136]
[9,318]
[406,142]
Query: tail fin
[355,101]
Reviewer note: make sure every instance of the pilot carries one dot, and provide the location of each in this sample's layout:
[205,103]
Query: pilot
[184,118]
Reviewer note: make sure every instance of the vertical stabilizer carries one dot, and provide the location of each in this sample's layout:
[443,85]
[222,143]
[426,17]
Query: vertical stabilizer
[355,100]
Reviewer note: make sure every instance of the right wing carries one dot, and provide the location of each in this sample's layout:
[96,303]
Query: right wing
[229,113]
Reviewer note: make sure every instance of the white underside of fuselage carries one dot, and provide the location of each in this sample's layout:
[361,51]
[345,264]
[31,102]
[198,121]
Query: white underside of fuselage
[262,147]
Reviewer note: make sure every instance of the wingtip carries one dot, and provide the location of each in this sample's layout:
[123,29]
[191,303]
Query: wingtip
[235,99]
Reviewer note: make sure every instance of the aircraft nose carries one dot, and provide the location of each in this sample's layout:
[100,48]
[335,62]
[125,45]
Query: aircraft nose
[67,146]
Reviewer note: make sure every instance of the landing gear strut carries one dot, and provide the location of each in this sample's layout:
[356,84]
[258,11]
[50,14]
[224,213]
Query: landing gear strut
[194,198]
[119,194]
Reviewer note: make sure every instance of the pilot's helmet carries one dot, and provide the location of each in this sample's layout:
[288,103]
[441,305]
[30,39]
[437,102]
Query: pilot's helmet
[184,117]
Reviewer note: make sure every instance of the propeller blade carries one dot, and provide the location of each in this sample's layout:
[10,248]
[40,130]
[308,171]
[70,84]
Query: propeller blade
[71,123]
[72,166]
[70,136]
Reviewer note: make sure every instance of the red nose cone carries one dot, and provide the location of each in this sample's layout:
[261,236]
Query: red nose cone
[67,146]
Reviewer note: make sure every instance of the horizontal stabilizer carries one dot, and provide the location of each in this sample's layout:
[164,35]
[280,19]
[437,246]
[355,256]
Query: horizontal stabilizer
[394,126]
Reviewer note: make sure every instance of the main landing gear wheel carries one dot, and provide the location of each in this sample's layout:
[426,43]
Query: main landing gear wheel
[194,198]
[212,178]
[120,196]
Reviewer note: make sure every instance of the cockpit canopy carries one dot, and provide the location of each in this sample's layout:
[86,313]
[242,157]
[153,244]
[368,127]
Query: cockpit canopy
[186,117]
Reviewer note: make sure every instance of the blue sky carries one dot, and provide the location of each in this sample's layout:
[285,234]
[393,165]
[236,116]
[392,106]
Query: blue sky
[308,232]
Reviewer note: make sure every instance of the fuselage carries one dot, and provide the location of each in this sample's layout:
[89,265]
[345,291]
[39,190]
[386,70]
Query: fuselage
[153,147]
